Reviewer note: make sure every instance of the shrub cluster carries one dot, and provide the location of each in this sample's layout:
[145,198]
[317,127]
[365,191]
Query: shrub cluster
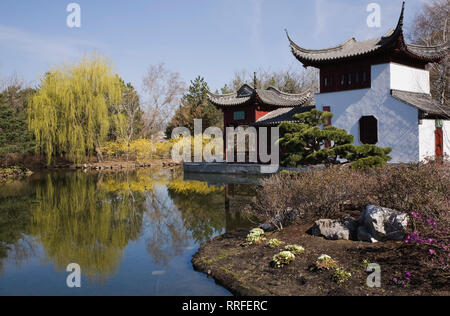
[421,190]
[138,150]
[314,194]
[13,173]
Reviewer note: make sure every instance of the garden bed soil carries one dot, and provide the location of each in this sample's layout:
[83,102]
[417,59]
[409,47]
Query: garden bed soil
[247,270]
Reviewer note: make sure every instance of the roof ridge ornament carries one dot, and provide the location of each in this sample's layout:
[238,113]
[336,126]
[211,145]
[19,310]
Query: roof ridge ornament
[399,29]
[377,47]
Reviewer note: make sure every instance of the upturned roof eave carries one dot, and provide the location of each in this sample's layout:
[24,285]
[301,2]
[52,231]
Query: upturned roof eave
[318,58]
[257,96]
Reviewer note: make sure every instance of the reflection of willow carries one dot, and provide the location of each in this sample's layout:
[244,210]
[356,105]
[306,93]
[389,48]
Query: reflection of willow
[167,235]
[76,220]
[201,207]
[15,203]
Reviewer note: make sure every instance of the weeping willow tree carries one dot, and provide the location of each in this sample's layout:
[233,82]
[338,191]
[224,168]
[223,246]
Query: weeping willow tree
[69,115]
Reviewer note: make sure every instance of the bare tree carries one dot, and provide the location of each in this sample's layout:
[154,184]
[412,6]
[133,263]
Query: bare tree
[11,86]
[164,90]
[289,80]
[431,28]
[129,117]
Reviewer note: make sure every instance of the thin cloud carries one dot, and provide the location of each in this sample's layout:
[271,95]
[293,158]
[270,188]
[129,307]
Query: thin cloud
[256,27]
[43,47]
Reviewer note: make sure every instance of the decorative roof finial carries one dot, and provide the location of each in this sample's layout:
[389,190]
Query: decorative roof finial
[401,19]
[287,34]
[255,81]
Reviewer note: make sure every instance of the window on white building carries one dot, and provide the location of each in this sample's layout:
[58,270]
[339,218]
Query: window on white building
[368,130]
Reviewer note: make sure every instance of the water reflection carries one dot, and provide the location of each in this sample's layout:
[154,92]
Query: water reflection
[93,218]
[77,220]
[14,219]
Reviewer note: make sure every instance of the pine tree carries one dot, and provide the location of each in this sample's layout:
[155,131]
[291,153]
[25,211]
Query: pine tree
[14,134]
[306,142]
[195,105]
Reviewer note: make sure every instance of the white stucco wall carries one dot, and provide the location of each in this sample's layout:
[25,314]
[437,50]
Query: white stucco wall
[446,132]
[427,140]
[397,122]
[410,79]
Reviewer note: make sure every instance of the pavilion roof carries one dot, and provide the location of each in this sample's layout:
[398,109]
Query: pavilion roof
[271,96]
[423,102]
[281,115]
[351,48]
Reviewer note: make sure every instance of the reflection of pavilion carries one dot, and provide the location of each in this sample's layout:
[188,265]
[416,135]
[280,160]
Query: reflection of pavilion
[239,191]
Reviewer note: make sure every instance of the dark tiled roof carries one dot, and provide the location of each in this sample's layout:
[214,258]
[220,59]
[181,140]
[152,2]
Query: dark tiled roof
[429,52]
[352,48]
[282,115]
[423,102]
[270,96]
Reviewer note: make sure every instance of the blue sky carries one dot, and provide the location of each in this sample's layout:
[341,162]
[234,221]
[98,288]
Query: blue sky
[212,38]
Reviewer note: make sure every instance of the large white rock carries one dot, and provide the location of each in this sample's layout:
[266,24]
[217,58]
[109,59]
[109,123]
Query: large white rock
[381,224]
[334,230]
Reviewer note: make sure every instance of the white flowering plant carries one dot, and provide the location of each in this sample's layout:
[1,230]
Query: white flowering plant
[255,235]
[341,276]
[283,258]
[325,262]
[274,243]
[295,249]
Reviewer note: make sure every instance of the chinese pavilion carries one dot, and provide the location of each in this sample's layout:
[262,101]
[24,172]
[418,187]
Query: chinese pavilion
[378,90]
[250,106]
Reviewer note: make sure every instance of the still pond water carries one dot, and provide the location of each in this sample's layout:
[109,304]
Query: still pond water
[132,233]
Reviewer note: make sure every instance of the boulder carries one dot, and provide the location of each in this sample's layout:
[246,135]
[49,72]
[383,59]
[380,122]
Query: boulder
[351,224]
[364,235]
[267,227]
[335,230]
[382,224]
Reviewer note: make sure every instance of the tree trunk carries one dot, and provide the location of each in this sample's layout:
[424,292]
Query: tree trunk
[98,152]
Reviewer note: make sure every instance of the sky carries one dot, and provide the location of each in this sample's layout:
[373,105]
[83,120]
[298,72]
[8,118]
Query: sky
[211,38]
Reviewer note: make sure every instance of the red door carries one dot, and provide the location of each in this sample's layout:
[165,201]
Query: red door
[439,143]
[327,109]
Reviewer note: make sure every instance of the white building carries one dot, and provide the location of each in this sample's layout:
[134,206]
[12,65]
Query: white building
[379,91]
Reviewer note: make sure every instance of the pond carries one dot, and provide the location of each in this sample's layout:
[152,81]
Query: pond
[131,233]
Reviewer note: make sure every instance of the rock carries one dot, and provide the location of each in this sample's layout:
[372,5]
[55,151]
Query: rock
[267,227]
[364,235]
[382,224]
[352,225]
[334,230]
